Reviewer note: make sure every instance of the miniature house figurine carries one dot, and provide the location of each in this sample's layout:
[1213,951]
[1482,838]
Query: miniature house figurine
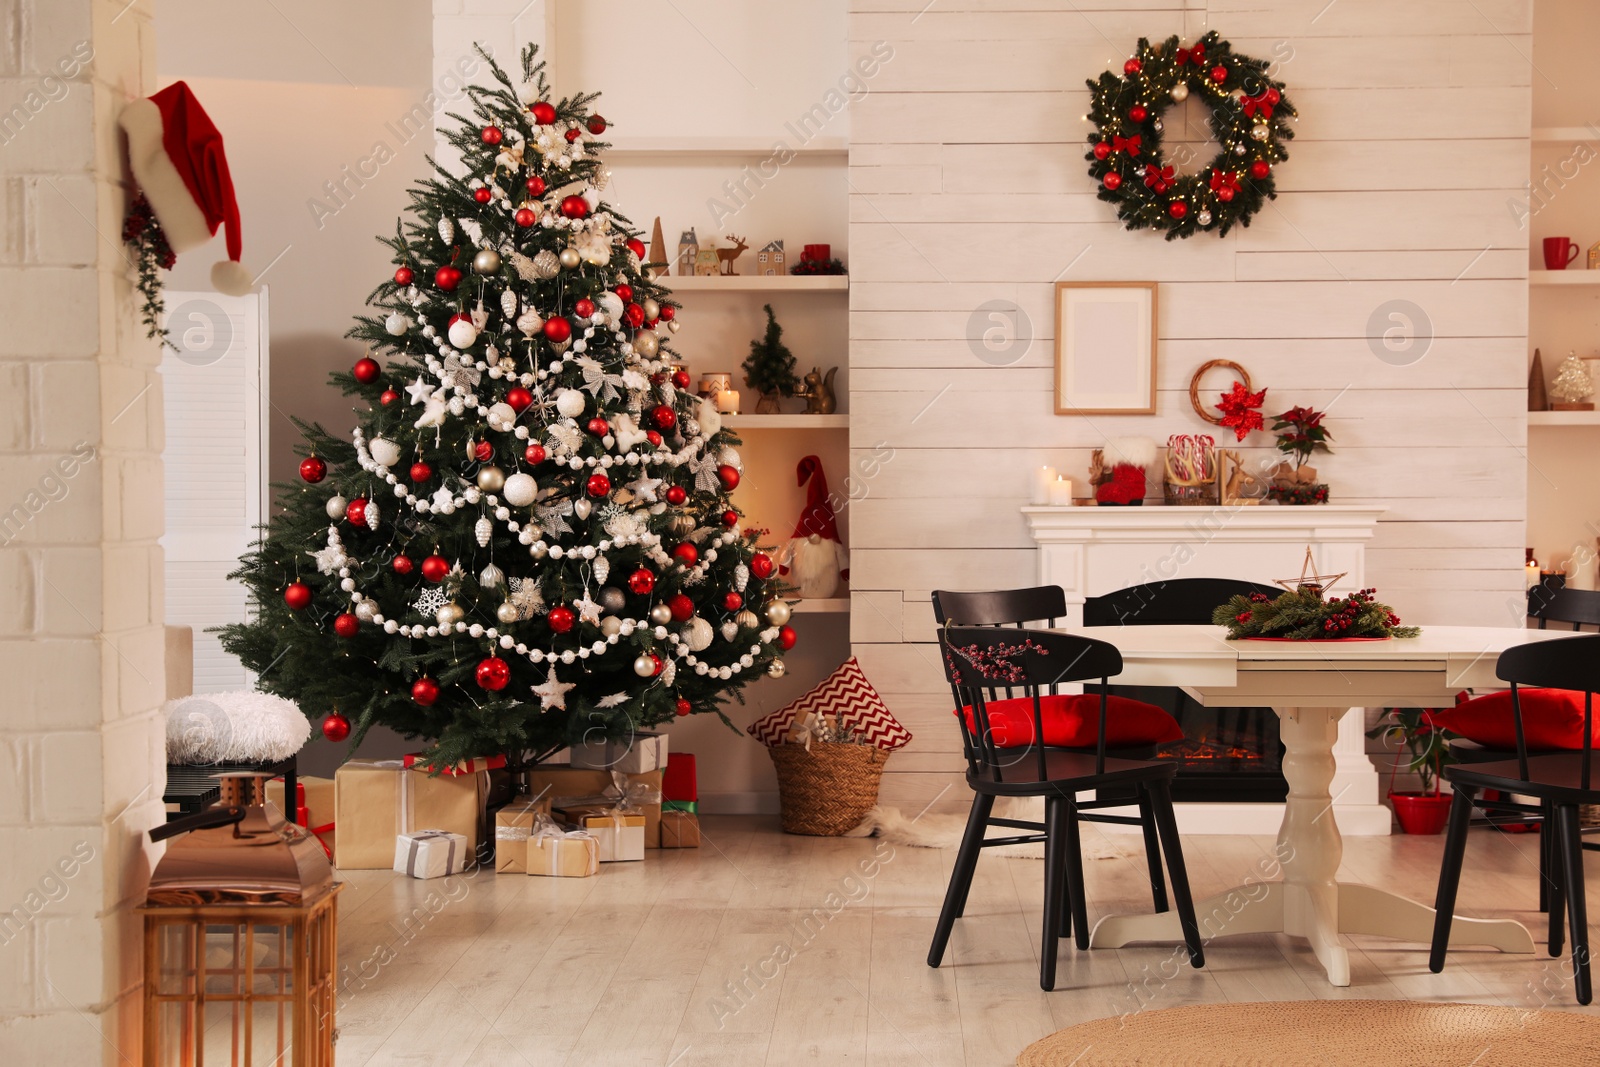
[688,251]
[706,262]
[770,259]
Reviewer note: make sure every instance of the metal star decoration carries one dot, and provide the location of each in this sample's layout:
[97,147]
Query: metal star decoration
[1308,580]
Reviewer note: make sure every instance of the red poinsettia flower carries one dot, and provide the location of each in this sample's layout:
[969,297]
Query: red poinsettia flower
[1241,409]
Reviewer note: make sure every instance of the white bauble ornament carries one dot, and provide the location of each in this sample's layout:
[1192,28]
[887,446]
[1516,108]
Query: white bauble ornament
[397,324]
[366,610]
[491,576]
[450,614]
[647,343]
[660,614]
[529,324]
[502,417]
[582,508]
[384,451]
[697,634]
[1259,133]
[776,668]
[571,403]
[483,529]
[1203,218]
[1180,92]
[730,456]
[336,506]
[730,630]
[506,612]
[747,620]
[611,304]
[778,612]
[462,333]
[520,490]
[644,667]
[611,626]
[1239,150]
[491,479]
[546,264]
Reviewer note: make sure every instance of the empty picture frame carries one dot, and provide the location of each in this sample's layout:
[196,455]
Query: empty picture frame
[1105,348]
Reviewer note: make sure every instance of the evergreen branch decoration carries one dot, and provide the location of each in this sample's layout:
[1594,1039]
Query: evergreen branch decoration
[1302,615]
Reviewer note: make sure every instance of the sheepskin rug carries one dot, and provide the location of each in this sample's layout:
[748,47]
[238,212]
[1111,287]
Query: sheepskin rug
[233,727]
[931,830]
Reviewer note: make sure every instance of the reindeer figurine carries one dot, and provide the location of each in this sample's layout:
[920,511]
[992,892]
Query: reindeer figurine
[1233,481]
[726,256]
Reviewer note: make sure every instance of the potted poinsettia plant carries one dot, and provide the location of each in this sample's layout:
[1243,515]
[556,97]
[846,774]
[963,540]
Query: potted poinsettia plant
[1428,747]
[1300,434]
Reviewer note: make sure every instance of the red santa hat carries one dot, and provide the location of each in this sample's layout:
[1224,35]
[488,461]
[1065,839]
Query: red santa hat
[817,517]
[176,156]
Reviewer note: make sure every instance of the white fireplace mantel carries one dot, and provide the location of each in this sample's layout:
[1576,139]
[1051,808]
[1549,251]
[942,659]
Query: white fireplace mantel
[1091,551]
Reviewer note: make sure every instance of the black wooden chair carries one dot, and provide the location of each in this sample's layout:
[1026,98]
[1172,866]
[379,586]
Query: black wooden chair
[1578,607]
[980,663]
[1175,602]
[1560,782]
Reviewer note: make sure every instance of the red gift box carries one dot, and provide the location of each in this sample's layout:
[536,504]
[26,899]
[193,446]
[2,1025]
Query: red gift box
[466,766]
[679,782]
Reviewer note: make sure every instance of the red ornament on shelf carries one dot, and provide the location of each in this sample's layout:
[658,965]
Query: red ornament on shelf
[402,565]
[682,607]
[787,637]
[598,486]
[624,292]
[1138,113]
[642,581]
[636,246]
[366,370]
[676,495]
[663,416]
[313,469]
[425,691]
[403,276]
[680,377]
[493,674]
[535,186]
[683,707]
[1132,66]
[447,278]
[596,125]
[421,472]
[584,307]
[1260,169]
[525,217]
[730,518]
[492,135]
[574,207]
[534,454]
[387,397]
[519,398]
[557,329]
[561,619]
[686,554]
[1112,180]
[297,595]
[335,727]
[1177,209]
[482,194]
[346,625]
[732,601]
[483,451]
[598,426]
[761,565]
[435,567]
[729,477]
[355,512]
[543,113]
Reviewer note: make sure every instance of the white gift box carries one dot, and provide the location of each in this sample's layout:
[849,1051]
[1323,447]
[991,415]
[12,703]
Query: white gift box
[638,755]
[430,853]
[620,834]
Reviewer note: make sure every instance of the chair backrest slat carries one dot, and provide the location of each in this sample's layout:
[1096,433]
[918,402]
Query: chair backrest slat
[1176,602]
[1580,607]
[1570,663]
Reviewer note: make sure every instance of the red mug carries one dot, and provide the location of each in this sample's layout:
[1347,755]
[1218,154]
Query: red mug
[1558,252]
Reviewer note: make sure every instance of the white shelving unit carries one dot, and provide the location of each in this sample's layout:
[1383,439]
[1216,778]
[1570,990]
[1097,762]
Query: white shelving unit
[786,422]
[1573,275]
[833,604]
[1564,418]
[737,283]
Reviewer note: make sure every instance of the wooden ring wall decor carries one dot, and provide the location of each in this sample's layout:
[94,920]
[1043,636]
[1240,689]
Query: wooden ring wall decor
[1194,386]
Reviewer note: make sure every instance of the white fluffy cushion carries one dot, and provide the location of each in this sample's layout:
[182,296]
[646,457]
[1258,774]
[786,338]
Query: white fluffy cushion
[233,727]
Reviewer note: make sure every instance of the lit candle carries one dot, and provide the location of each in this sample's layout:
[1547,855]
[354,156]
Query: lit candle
[728,401]
[1531,575]
[1061,493]
[1043,479]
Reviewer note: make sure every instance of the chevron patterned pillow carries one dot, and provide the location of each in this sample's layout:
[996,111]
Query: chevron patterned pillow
[847,694]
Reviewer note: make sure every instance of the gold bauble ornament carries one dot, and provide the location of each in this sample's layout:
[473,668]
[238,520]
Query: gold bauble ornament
[778,612]
[487,261]
[450,614]
[506,613]
[491,479]
[570,258]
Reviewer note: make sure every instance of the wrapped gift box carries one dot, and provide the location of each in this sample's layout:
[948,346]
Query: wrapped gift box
[376,800]
[620,833]
[574,855]
[691,806]
[316,804]
[513,826]
[679,829]
[637,755]
[579,786]
[430,853]
[680,782]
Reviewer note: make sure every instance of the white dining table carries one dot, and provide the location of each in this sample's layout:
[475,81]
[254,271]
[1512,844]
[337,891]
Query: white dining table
[1311,686]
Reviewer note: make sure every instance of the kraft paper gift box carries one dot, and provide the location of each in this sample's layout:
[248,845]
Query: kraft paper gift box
[575,786]
[563,855]
[620,833]
[637,755]
[513,827]
[679,829]
[430,854]
[317,801]
[376,800]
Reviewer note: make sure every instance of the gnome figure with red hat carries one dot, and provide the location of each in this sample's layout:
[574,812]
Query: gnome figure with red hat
[815,559]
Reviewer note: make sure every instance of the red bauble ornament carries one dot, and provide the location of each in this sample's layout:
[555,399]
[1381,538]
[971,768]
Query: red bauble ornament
[561,619]
[435,567]
[761,565]
[1260,169]
[493,674]
[729,477]
[421,472]
[1219,74]
[573,135]
[1101,150]
[624,292]
[447,278]
[525,217]
[683,707]
[668,312]
[543,113]
[676,495]
[598,426]
[366,370]
[346,625]
[1177,209]
[557,329]
[1225,194]
[425,691]
[297,595]
[596,125]
[663,416]
[642,581]
[313,470]
[680,378]
[518,397]
[598,486]
[633,314]
[387,397]
[482,194]
[534,454]
[786,638]
[1132,66]
[583,308]
[1112,181]
[574,207]
[483,451]
[1137,113]
[730,518]
[403,276]
[686,554]
[733,601]
[636,246]
[535,186]
[335,727]
[653,437]
[355,512]
[492,135]
[403,565]
[682,607]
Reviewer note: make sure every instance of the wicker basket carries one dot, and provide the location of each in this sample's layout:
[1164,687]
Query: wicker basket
[827,791]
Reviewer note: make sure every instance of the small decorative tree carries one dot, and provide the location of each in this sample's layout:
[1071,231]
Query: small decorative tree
[1573,386]
[769,369]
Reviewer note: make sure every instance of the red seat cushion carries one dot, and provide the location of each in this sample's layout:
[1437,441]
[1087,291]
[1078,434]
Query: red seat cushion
[1551,718]
[1072,721]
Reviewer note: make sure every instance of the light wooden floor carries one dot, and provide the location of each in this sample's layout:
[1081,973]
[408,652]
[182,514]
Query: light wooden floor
[642,964]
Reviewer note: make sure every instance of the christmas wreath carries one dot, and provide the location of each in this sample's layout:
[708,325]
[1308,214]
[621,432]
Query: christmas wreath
[1248,119]
[1302,615]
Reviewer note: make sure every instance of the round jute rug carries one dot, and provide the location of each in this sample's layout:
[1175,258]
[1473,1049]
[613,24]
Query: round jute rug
[1324,1033]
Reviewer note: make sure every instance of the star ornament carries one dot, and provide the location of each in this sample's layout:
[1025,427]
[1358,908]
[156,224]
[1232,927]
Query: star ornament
[1241,409]
[552,692]
[1309,581]
[588,610]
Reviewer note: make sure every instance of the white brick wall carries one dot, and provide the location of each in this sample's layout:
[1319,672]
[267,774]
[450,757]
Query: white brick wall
[81,642]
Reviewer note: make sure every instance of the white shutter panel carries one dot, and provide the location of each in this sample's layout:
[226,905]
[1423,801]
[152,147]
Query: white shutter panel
[215,387]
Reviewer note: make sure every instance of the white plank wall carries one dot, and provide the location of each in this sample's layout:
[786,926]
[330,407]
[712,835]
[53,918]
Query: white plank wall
[968,185]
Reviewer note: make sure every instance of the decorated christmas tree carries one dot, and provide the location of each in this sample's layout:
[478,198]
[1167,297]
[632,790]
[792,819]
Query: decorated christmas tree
[527,540]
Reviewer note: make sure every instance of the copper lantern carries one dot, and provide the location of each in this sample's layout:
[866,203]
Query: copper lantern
[240,951]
